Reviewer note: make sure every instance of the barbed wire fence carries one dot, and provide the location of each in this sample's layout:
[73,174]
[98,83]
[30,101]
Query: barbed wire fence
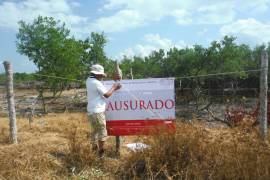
[198,92]
[204,94]
[213,97]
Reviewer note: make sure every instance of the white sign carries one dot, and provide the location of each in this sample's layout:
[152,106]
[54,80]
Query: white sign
[142,99]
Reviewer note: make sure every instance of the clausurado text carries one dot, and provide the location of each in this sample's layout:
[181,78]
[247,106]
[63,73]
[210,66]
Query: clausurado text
[140,105]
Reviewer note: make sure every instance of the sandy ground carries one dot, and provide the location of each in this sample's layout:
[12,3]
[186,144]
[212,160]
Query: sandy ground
[26,99]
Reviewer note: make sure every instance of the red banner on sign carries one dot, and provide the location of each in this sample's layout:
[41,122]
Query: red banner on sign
[138,127]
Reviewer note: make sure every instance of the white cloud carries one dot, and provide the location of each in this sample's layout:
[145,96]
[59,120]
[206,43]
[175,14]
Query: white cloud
[248,30]
[11,12]
[218,13]
[181,16]
[151,42]
[127,14]
[184,12]
[146,12]
[156,40]
[121,20]
[129,52]
[138,50]
[144,50]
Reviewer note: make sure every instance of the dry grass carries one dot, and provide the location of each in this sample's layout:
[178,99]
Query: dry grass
[54,147]
[57,147]
[195,152]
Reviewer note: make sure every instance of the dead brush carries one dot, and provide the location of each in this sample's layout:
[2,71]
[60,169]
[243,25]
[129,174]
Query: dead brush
[79,156]
[169,155]
[29,161]
[51,149]
[194,153]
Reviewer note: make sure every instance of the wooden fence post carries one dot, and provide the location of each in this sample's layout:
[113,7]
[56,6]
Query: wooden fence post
[117,138]
[131,73]
[11,103]
[263,94]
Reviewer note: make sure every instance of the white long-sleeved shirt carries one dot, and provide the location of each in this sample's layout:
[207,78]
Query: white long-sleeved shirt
[95,92]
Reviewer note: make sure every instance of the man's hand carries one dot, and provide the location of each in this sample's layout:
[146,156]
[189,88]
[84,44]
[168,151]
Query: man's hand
[114,88]
[117,86]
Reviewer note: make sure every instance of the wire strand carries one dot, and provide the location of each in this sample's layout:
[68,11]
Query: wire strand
[217,74]
[57,77]
[179,77]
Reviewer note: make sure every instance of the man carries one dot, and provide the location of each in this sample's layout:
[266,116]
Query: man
[96,94]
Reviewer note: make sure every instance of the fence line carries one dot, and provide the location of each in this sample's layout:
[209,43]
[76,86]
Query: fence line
[57,77]
[218,74]
[177,77]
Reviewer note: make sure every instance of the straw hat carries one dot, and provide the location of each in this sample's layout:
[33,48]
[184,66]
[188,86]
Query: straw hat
[98,70]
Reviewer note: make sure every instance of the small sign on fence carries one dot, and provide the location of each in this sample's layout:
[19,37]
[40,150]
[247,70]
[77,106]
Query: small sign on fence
[140,105]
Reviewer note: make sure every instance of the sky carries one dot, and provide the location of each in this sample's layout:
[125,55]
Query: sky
[137,27]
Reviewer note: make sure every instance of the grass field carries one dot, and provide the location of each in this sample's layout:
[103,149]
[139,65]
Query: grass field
[56,146]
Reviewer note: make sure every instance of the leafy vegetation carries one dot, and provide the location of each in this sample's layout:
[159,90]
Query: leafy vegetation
[48,44]
[19,77]
[223,56]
